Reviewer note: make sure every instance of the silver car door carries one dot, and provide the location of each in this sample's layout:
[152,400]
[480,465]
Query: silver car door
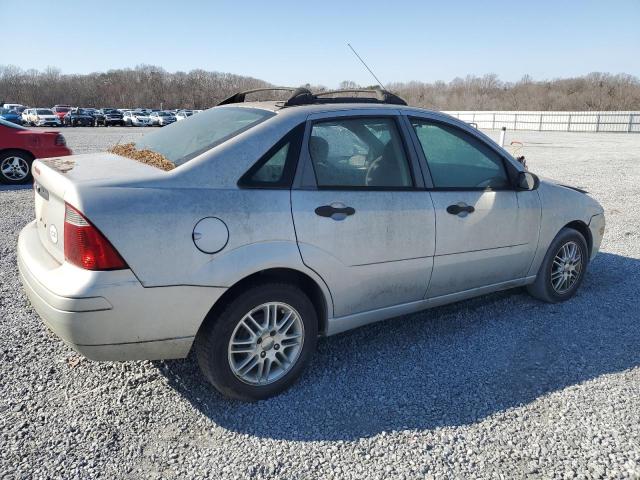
[483,237]
[363,220]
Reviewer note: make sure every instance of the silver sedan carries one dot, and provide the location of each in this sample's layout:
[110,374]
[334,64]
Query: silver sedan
[273,223]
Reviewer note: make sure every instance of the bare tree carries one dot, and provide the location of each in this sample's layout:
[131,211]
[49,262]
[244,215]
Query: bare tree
[153,87]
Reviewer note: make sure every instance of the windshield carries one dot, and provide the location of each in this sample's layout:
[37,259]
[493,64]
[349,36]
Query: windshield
[4,111]
[4,123]
[61,109]
[44,111]
[182,141]
[163,114]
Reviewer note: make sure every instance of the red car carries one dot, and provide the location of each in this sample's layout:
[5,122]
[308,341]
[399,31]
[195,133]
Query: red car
[19,146]
[61,111]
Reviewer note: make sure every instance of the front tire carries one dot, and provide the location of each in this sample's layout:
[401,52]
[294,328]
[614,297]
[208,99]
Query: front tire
[259,343]
[563,268]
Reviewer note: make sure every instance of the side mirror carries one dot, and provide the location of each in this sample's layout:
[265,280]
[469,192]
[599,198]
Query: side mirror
[528,181]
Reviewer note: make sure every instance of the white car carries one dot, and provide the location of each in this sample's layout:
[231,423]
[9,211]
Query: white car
[40,117]
[12,106]
[283,221]
[161,119]
[136,119]
[183,114]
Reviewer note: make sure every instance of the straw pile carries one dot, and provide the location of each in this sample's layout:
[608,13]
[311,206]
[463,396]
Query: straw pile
[144,156]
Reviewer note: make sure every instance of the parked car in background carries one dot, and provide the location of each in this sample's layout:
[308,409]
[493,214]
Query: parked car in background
[78,117]
[160,119]
[286,220]
[95,114]
[19,146]
[136,119]
[61,111]
[110,117]
[12,106]
[11,116]
[183,114]
[40,117]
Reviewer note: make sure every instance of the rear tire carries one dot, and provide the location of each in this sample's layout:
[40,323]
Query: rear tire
[277,351]
[563,268]
[15,167]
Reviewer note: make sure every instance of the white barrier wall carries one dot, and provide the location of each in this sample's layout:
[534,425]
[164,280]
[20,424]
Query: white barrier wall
[622,122]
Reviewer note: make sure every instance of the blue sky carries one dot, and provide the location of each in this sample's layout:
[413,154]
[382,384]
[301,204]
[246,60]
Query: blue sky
[294,42]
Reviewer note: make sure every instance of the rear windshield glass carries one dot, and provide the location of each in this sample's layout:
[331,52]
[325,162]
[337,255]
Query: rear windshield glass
[182,141]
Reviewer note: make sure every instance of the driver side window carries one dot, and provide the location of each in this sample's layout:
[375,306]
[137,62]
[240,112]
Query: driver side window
[458,160]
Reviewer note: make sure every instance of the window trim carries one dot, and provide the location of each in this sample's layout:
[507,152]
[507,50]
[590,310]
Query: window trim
[294,137]
[509,169]
[412,160]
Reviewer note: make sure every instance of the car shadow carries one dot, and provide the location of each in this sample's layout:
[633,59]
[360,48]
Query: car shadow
[8,187]
[448,366]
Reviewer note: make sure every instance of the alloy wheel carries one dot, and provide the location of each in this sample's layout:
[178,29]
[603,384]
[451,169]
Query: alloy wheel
[566,267]
[266,343]
[14,168]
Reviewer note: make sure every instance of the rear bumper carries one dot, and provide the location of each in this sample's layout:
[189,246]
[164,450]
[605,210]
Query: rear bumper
[110,315]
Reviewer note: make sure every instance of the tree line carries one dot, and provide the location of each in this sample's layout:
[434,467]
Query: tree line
[148,86]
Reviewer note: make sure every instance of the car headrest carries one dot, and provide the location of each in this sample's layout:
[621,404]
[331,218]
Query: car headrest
[318,148]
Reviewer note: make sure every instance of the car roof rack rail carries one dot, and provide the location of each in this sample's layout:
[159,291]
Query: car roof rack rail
[296,93]
[378,96]
[303,96]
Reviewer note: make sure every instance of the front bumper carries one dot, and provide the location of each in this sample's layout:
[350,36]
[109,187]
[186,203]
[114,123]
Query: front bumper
[596,227]
[110,315]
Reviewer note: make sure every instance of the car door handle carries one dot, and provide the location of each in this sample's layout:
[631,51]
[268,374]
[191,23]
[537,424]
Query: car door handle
[461,209]
[340,211]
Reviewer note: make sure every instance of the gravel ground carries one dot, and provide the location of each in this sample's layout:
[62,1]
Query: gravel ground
[497,387]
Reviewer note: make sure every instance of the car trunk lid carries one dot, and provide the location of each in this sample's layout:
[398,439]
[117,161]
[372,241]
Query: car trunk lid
[58,180]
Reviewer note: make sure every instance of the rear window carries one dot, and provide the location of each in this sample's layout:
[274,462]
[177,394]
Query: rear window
[182,141]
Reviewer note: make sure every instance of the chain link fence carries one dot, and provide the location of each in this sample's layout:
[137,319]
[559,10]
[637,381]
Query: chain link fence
[621,122]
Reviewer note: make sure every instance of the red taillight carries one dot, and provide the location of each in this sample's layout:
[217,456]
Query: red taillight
[85,246]
[60,141]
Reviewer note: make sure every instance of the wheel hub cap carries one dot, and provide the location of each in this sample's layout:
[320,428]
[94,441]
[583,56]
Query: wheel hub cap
[566,267]
[266,343]
[14,168]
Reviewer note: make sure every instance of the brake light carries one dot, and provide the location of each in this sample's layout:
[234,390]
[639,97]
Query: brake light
[85,246]
[60,141]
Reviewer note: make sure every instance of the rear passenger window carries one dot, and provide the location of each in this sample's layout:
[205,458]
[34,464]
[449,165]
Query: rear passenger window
[277,167]
[273,169]
[459,160]
[359,153]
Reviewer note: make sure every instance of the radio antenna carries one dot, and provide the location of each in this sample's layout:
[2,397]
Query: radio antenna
[366,66]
